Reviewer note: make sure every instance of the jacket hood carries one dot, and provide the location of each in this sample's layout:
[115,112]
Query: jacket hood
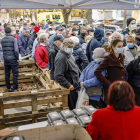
[99,34]
[77,47]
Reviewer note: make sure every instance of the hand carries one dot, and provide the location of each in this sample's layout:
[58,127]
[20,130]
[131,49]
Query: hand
[71,87]
[52,81]
[18,61]
[46,69]
[82,87]
[6,132]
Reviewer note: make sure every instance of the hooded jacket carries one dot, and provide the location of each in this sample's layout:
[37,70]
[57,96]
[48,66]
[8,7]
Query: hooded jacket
[80,57]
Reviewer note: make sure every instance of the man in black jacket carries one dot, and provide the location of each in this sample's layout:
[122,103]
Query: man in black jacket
[11,58]
[67,72]
[83,34]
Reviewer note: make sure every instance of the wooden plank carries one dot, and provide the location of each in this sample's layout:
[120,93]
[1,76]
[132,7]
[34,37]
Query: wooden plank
[50,100]
[24,69]
[1,109]
[27,56]
[34,108]
[19,81]
[43,82]
[19,104]
[16,93]
[65,101]
[37,95]
[29,116]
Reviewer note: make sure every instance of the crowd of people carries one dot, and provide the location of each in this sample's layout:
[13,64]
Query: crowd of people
[77,58]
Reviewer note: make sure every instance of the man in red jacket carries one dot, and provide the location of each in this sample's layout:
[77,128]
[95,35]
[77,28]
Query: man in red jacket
[41,53]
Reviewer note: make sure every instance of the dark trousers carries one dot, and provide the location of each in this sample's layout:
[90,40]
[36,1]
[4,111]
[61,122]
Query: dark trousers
[14,68]
[97,104]
[72,99]
[137,94]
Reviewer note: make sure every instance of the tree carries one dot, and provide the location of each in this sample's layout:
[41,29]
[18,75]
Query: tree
[66,14]
[89,16]
[127,14]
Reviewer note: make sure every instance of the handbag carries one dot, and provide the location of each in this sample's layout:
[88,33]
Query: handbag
[94,90]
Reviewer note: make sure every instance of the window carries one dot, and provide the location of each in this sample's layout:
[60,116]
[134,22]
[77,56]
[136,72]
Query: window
[47,16]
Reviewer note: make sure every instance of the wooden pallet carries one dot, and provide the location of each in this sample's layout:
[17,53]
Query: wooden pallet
[50,95]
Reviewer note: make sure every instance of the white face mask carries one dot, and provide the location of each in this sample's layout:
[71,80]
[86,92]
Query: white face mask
[61,45]
[88,41]
[69,50]
[134,35]
[76,32]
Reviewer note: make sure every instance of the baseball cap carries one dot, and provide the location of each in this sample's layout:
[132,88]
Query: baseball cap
[59,28]
[74,29]
[58,37]
[108,31]
[138,32]
[26,29]
[46,27]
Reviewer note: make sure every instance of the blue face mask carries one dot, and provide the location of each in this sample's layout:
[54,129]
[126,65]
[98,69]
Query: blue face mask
[69,50]
[93,57]
[119,50]
[131,45]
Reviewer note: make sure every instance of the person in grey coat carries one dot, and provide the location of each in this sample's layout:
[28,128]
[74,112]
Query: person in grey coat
[67,72]
[130,51]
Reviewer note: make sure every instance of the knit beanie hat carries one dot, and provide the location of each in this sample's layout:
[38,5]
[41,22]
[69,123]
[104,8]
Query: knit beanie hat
[129,21]
[36,29]
[99,52]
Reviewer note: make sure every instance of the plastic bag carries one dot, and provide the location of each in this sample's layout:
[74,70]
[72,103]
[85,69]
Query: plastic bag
[83,99]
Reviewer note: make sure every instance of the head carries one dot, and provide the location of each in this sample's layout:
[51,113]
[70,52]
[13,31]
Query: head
[121,96]
[2,30]
[76,25]
[116,45]
[26,31]
[99,34]
[42,24]
[13,30]
[91,32]
[99,53]
[68,45]
[138,33]
[8,30]
[43,38]
[75,31]
[115,36]
[108,33]
[75,40]
[47,20]
[84,22]
[36,29]
[130,41]
[71,24]
[88,38]
[106,46]
[59,30]
[130,22]
[58,40]
[83,31]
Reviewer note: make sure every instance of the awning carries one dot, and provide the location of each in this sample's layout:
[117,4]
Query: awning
[69,4]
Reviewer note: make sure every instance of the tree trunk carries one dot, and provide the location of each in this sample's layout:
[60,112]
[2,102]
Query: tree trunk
[89,16]
[127,14]
[66,14]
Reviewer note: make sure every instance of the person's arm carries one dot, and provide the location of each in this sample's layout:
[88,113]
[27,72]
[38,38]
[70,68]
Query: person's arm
[20,44]
[93,81]
[92,128]
[60,71]
[84,59]
[16,50]
[34,47]
[31,41]
[6,132]
[81,79]
[51,61]
[98,72]
[130,71]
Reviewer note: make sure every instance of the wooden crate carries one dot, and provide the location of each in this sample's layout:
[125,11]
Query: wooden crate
[51,94]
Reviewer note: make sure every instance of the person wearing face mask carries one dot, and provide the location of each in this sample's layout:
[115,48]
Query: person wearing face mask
[138,37]
[130,23]
[57,45]
[88,79]
[108,33]
[83,34]
[78,53]
[131,50]
[91,32]
[74,32]
[41,53]
[23,39]
[114,64]
[67,72]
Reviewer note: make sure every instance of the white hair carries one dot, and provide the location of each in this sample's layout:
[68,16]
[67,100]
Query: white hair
[42,37]
[75,40]
[40,32]
[115,33]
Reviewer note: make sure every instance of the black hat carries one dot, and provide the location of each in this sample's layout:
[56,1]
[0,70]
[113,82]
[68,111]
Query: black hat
[74,29]
[129,21]
[91,30]
[138,32]
[58,37]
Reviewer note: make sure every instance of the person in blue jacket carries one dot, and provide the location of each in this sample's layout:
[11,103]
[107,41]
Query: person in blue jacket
[79,55]
[88,79]
[95,43]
